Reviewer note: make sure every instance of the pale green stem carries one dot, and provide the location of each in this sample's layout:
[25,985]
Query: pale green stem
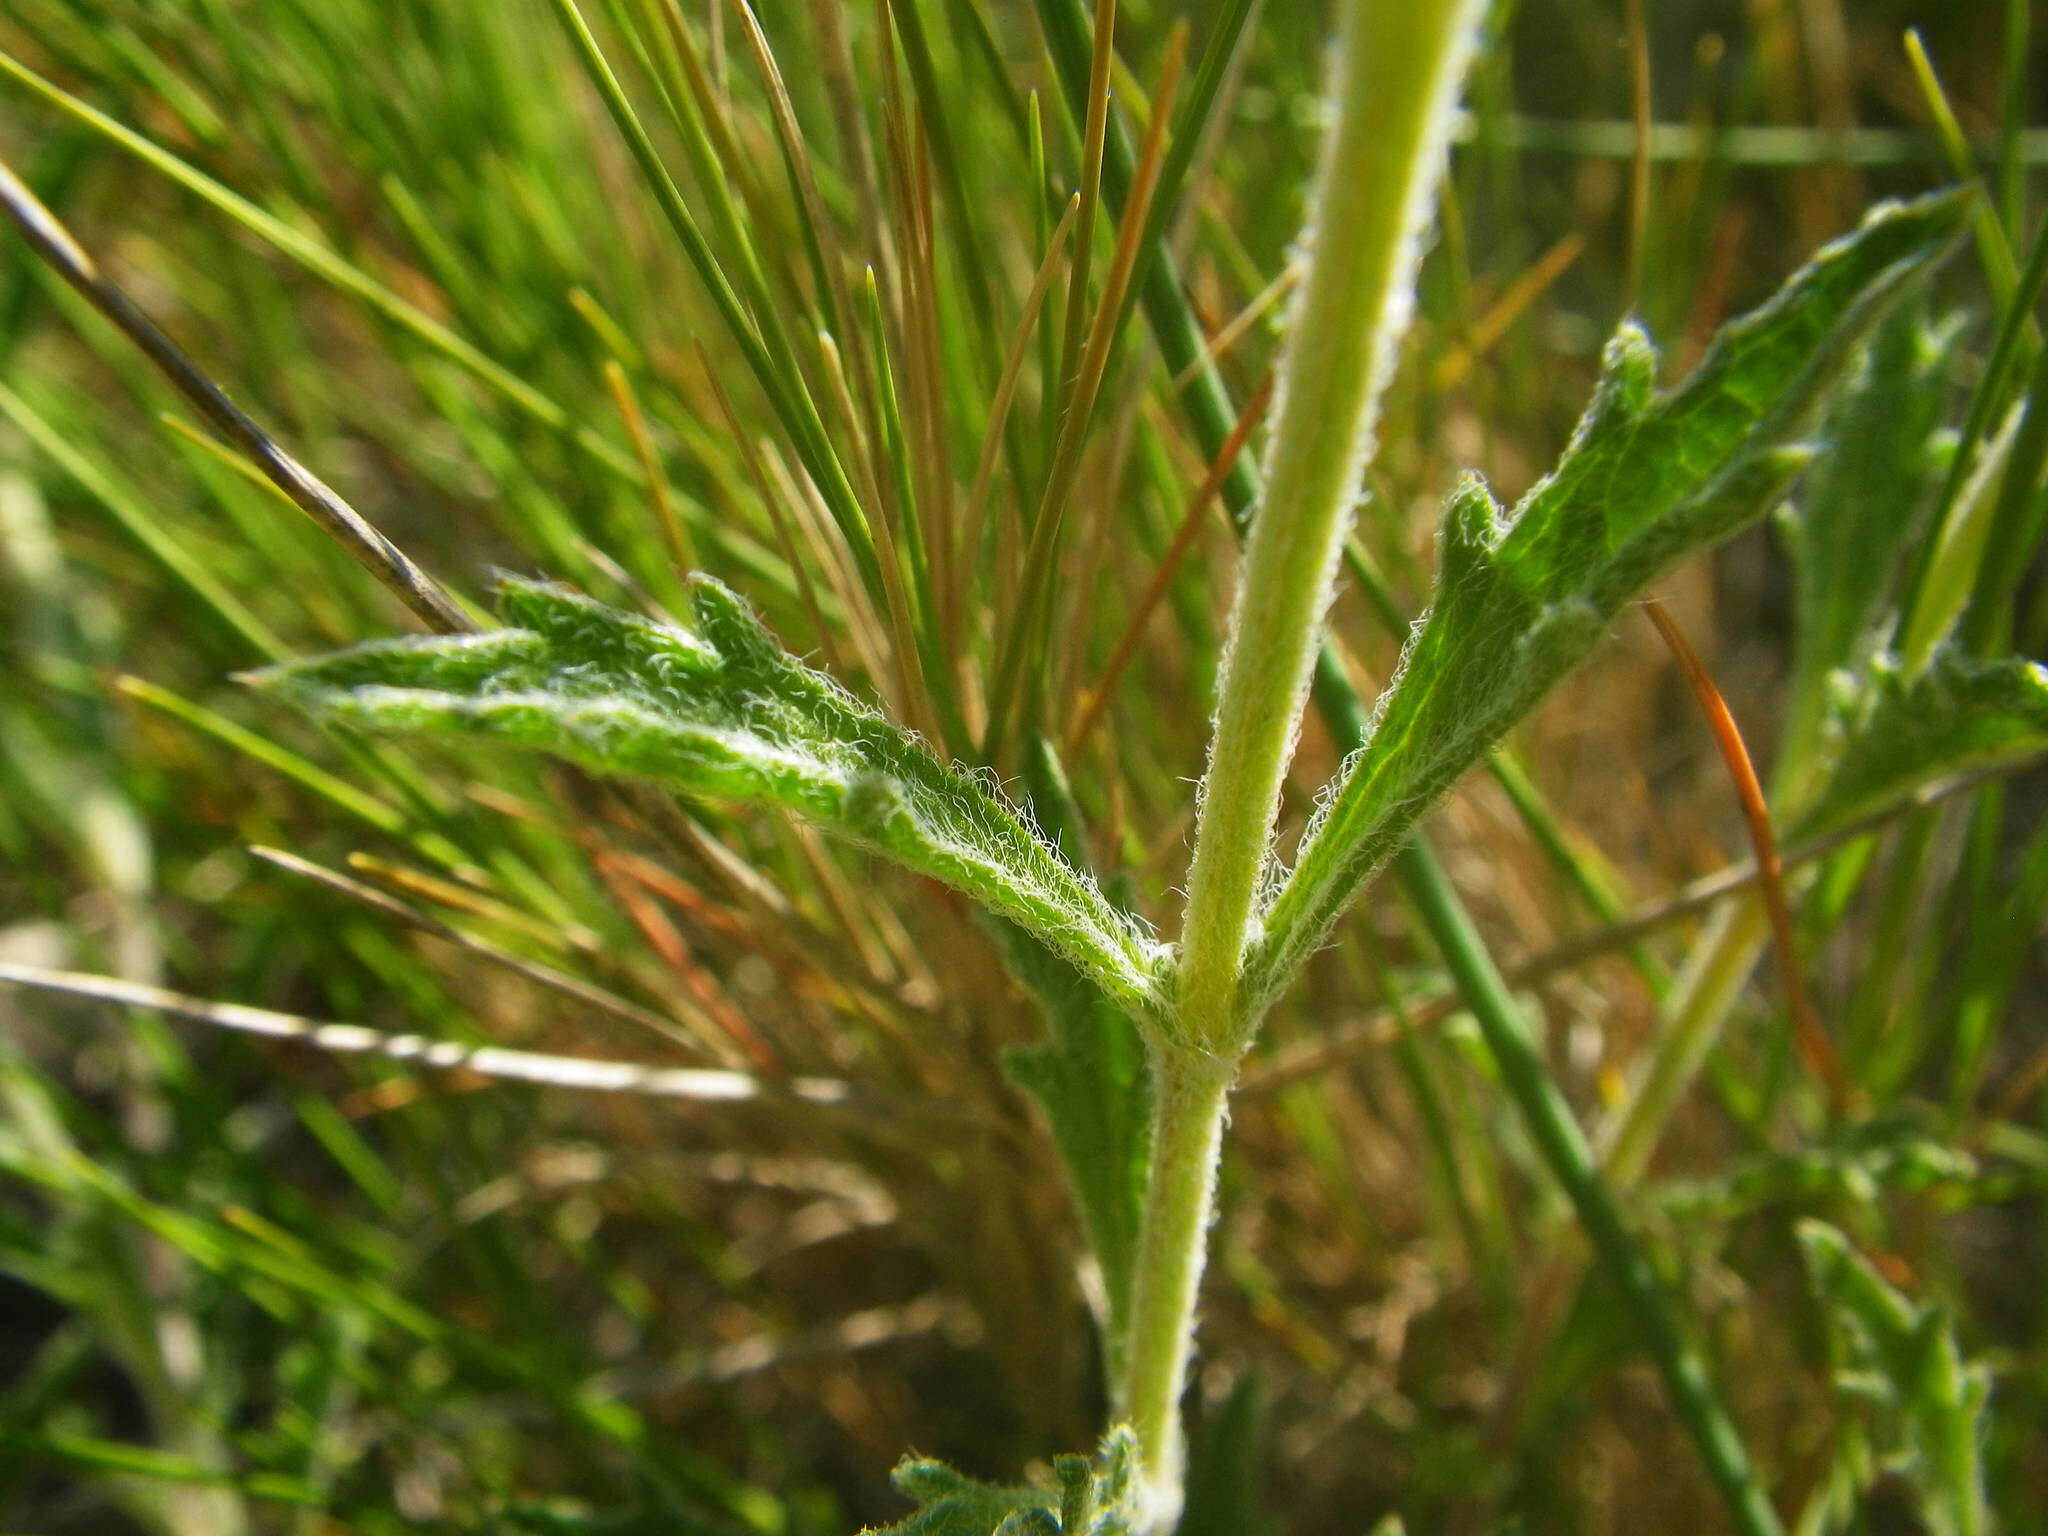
[1393,88]
[1712,980]
[1188,1113]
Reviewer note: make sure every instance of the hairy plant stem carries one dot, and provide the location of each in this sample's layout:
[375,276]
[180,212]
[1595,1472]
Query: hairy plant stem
[1416,868]
[1190,1094]
[1393,86]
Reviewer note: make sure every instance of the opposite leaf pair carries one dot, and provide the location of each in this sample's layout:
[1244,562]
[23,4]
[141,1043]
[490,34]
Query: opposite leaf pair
[721,710]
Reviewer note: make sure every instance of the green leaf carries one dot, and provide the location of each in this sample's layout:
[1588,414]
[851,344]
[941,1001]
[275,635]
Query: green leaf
[1854,1165]
[1862,504]
[1905,1358]
[1895,733]
[1091,1077]
[1225,1491]
[1098,1497]
[1521,598]
[719,709]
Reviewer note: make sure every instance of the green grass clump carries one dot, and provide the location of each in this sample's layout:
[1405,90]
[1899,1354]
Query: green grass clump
[944,337]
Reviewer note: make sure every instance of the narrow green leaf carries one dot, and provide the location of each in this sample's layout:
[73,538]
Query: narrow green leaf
[1898,732]
[1092,1497]
[118,1459]
[1522,597]
[1226,1493]
[722,710]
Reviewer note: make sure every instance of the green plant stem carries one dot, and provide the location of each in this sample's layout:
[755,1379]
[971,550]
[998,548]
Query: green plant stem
[1556,1133]
[1213,416]
[1713,978]
[1190,1094]
[1393,89]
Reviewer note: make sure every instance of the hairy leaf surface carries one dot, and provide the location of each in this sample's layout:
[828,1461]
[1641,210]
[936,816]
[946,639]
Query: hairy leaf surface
[1897,733]
[1860,508]
[1097,1497]
[1901,1358]
[721,710]
[1522,597]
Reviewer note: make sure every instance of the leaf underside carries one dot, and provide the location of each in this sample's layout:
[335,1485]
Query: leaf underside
[720,710]
[1521,598]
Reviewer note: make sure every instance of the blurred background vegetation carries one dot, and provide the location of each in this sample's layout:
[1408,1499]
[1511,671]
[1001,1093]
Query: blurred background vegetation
[250,1287]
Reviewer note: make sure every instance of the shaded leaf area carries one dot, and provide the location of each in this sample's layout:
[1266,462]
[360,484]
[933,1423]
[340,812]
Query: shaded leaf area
[1226,1485]
[1091,1078]
[1521,598]
[1858,1163]
[1862,505]
[1924,1404]
[721,710]
[1895,733]
[1087,1497]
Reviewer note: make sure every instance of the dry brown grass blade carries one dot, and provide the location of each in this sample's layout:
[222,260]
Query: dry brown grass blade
[658,495]
[1041,556]
[1815,1048]
[576,988]
[1233,330]
[1517,299]
[458,897]
[904,663]
[1638,36]
[759,915]
[1094,127]
[857,417]
[714,104]
[797,156]
[843,93]
[1006,385]
[919,491]
[1096,698]
[925,360]
[420,593]
[732,1027]
[699,1084]
[799,568]
[863,622]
